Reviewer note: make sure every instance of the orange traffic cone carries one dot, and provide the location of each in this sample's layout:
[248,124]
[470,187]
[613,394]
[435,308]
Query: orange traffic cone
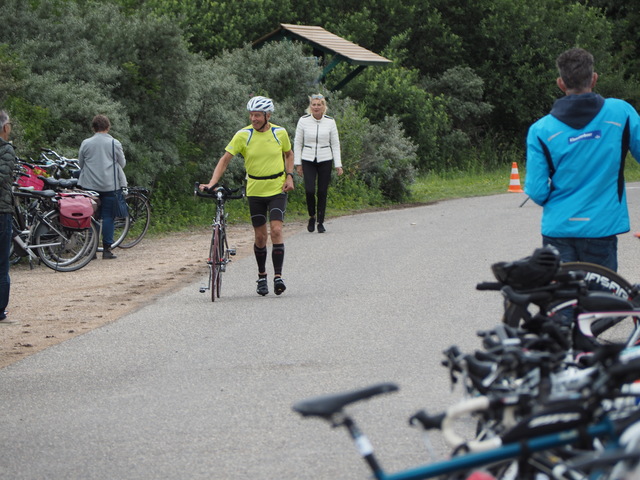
[514,183]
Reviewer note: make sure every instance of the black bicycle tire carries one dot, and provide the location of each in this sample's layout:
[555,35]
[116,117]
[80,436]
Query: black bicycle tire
[625,290]
[139,208]
[88,239]
[215,263]
[87,253]
[600,278]
[223,258]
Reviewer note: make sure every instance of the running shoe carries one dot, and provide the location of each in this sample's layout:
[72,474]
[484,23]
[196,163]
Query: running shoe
[263,288]
[278,285]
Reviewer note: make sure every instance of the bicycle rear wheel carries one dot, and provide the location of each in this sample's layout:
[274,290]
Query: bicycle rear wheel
[64,250]
[139,219]
[599,278]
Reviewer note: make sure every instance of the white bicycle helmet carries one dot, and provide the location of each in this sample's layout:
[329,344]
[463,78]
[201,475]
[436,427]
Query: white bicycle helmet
[260,104]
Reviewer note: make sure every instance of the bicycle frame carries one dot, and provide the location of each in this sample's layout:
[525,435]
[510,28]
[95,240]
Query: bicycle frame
[461,463]
[221,223]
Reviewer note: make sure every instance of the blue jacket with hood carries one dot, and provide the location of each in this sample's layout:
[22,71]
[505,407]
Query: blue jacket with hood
[575,165]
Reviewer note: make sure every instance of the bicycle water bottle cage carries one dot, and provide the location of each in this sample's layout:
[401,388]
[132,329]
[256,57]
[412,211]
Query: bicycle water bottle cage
[530,272]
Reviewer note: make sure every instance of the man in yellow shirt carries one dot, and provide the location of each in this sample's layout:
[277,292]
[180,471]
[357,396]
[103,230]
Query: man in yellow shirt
[268,160]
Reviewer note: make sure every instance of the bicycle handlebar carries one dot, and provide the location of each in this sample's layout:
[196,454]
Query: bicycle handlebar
[226,193]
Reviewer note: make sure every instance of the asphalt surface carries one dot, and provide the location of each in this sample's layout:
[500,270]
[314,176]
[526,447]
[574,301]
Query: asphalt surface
[189,389]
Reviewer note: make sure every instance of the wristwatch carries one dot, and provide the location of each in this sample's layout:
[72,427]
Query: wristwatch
[289,173]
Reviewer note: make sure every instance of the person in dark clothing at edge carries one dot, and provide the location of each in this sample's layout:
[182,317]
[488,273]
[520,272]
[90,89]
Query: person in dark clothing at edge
[575,165]
[7,165]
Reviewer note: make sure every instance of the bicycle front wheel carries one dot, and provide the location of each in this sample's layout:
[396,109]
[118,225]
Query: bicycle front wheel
[139,219]
[120,230]
[214,264]
[63,249]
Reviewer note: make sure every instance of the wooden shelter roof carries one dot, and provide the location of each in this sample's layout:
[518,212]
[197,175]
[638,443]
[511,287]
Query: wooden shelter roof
[326,41]
[324,44]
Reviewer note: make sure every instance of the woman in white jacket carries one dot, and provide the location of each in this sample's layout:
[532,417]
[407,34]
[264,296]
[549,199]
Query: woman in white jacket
[316,146]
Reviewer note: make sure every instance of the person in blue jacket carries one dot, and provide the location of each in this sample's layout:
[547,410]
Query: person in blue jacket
[575,165]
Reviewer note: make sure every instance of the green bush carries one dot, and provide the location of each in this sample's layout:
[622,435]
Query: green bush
[380,155]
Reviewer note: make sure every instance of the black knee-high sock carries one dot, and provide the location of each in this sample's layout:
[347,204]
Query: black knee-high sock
[277,256]
[261,257]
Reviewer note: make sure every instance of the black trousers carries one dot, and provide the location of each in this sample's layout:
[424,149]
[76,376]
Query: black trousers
[319,172]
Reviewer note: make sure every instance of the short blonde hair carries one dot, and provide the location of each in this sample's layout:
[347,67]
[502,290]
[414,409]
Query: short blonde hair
[323,100]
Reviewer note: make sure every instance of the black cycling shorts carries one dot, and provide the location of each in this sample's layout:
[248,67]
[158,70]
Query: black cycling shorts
[259,207]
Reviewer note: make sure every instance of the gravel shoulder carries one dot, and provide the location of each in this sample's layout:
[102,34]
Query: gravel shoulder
[50,307]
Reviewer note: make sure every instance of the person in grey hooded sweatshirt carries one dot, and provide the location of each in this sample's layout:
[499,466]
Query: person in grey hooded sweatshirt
[101,156]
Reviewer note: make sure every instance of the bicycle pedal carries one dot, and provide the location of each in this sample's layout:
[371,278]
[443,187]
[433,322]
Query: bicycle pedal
[232,251]
[203,289]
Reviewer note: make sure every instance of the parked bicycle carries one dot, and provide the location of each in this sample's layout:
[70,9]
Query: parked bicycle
[122,225]
[546,406]
[536,439]
[63,172]
[40,234]
[58,166]
[219,251]
[138,201]
[546,430]
[565,291]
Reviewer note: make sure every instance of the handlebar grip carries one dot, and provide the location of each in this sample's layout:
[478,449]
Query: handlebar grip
[428,422]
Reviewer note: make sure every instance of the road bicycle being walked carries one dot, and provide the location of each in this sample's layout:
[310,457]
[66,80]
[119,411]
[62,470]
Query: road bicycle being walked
[219,250]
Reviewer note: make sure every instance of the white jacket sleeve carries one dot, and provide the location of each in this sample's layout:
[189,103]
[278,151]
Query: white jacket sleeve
[297,144]
[335,145]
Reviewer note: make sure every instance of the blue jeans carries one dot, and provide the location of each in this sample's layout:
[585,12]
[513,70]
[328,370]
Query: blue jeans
[107,213]
[601,251]
[6,231]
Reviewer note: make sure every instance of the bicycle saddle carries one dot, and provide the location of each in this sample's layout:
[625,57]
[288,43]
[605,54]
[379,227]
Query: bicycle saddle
[328,405]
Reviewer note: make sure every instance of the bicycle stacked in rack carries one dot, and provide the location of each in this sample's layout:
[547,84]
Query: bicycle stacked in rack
[61,176]
[39,234]
[554,390]
[219,251]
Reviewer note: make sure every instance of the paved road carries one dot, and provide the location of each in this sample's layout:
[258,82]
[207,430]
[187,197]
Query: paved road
[187,389]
